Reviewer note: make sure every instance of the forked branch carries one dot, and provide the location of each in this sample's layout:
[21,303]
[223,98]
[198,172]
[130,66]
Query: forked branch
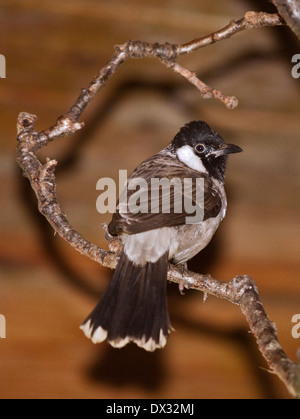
[242,289]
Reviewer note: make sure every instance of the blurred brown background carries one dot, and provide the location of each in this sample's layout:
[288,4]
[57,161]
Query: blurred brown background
[53,49]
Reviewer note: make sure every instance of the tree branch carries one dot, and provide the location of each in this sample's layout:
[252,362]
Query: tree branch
[241,290]
[289,10]
[251,20]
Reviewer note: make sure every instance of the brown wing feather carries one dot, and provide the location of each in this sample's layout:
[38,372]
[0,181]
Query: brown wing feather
[155,167]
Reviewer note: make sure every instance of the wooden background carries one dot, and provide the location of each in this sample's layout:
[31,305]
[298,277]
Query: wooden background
[53,49]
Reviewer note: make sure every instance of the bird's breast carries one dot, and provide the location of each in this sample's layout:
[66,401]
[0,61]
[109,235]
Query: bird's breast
[190,239]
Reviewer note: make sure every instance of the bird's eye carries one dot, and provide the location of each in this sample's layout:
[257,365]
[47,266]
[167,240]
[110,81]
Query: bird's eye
[200,148]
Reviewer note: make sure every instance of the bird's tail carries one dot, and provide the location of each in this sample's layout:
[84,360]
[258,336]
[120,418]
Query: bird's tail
[133,308]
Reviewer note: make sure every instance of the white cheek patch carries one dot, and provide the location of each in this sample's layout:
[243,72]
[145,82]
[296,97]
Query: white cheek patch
[187,156]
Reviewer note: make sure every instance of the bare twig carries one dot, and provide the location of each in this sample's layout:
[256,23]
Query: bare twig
[206,91]
[167,54]
[251,20]
[242,289]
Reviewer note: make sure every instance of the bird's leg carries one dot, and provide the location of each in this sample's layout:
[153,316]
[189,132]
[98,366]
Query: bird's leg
[183,267]
[114,243]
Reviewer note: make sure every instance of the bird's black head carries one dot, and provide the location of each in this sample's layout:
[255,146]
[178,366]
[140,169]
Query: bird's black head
[201,148]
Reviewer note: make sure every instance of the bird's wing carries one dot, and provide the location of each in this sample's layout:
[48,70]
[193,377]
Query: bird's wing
[153,200]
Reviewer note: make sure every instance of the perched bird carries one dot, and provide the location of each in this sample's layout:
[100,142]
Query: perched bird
[133,308]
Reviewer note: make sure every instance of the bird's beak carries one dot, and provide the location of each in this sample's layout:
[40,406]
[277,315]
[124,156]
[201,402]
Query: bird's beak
[226,149]
[231,149]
